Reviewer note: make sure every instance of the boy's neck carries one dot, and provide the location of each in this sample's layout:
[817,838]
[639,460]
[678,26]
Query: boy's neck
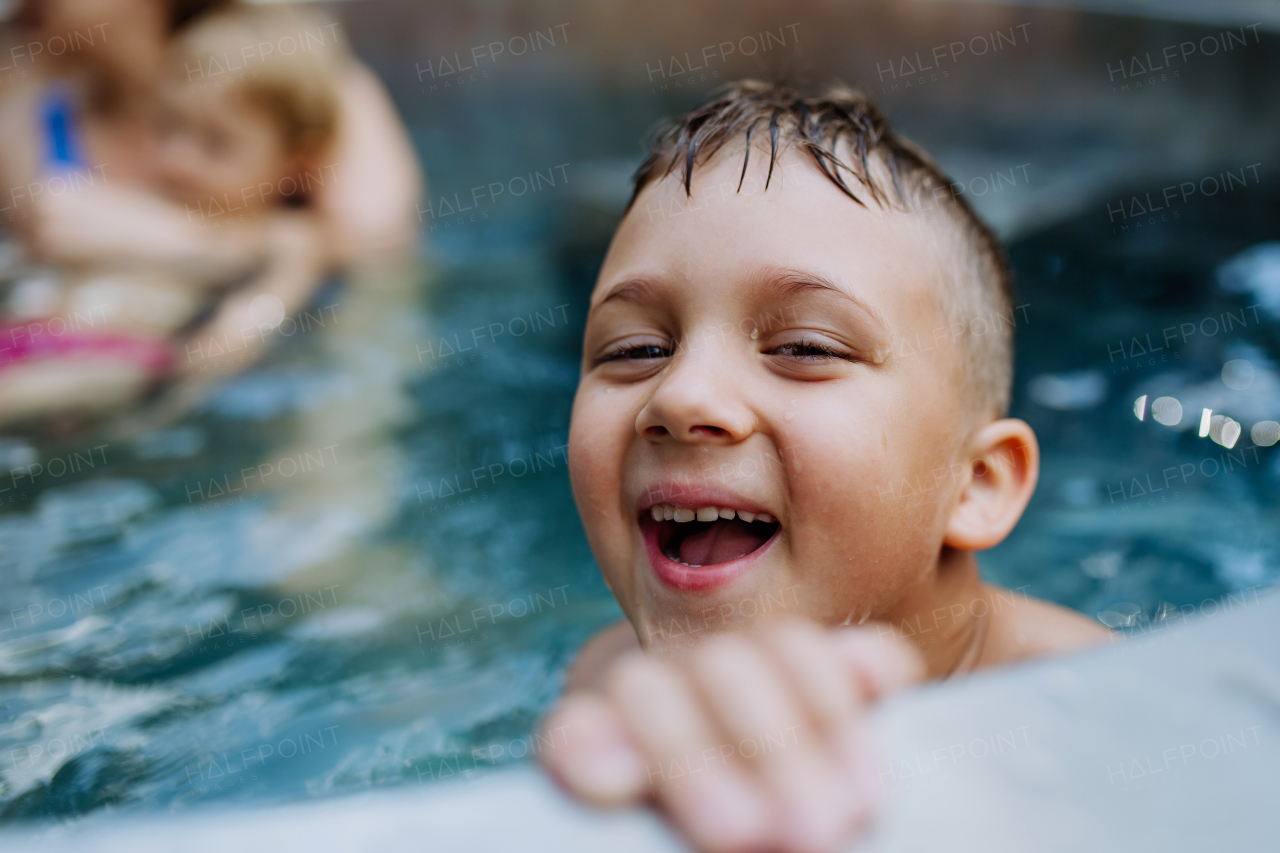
[945,618]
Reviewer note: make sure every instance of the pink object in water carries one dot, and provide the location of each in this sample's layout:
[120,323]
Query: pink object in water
[21,343]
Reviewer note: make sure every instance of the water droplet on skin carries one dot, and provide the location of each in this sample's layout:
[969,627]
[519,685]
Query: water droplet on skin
[755,333]
[789,415]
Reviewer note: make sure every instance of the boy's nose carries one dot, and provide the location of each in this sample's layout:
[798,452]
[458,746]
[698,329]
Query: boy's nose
[695,403]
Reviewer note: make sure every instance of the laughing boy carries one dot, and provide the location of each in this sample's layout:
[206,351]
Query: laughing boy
[758,421]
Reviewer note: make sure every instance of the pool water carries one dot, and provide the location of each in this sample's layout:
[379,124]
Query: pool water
[358,564]
[257,601]
[1136,521]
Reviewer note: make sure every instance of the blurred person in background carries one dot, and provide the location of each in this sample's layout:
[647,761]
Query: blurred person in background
[238,149]
[91,182]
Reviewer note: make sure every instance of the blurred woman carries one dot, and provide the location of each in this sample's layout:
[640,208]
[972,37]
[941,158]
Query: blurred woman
[240,150]
[112,55]
[78,113]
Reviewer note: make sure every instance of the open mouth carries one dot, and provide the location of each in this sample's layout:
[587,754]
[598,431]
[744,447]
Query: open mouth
[709,536]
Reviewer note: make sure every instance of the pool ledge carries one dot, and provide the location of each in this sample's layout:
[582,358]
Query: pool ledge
[1165,742]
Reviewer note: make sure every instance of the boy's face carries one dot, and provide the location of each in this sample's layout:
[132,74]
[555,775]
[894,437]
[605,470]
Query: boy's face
[217,146]
[737,355]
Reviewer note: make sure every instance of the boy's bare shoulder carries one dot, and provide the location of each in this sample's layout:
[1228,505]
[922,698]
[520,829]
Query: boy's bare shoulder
[601,650]
[1031,628]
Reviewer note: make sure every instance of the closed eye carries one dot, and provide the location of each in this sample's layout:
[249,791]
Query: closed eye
[638,352]
[806,351]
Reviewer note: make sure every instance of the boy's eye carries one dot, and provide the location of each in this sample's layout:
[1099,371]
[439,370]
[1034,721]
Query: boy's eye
[635,352]
[808,351]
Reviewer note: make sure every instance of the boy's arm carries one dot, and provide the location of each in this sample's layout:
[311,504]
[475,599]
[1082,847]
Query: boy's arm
[753,741]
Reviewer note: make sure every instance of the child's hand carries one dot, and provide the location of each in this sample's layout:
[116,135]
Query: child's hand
[754,741]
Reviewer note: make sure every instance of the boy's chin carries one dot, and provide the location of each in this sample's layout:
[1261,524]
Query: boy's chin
[676,632]
[671,620]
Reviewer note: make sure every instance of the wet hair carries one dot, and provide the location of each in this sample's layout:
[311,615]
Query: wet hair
[298,89]
[848,139]
[183,12]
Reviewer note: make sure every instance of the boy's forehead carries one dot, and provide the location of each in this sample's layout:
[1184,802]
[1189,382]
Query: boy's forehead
[731,221]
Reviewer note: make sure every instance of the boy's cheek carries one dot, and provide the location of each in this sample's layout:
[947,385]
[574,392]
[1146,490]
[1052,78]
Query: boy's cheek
[844,466]
[594,471]
[853,564]
[859,510]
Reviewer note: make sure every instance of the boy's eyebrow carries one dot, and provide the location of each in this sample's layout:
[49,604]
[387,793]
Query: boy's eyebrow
[632,290]
[789,282]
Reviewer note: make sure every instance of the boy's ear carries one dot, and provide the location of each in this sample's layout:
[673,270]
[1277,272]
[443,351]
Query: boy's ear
[1004,464]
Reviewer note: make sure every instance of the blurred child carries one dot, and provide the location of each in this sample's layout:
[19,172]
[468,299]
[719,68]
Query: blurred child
[248,124]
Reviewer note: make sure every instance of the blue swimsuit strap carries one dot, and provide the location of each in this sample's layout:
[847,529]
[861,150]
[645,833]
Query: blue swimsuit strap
[63,146]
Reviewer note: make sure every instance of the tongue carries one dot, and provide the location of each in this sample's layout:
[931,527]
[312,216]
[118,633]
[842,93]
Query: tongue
[720,542]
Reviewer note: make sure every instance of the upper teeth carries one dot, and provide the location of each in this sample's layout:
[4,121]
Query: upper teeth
[667,512]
